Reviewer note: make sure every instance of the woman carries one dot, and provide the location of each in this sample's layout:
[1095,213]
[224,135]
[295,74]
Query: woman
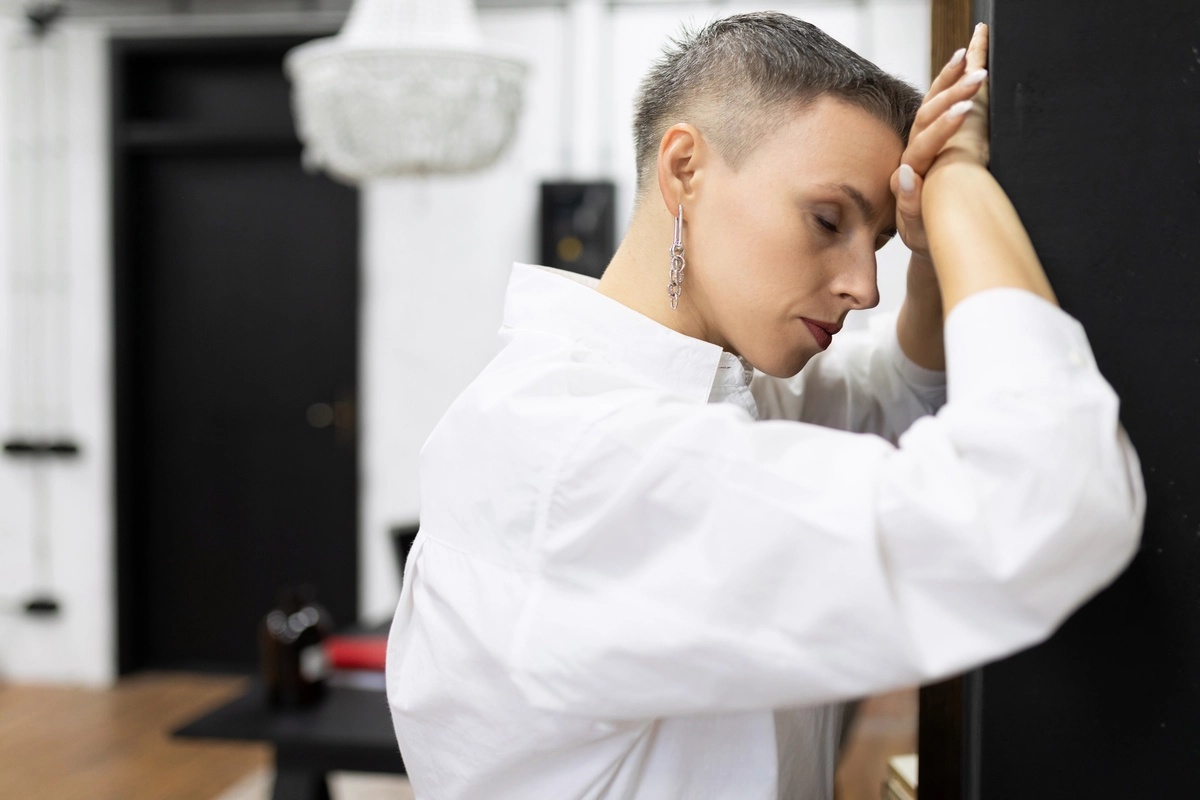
[673,524]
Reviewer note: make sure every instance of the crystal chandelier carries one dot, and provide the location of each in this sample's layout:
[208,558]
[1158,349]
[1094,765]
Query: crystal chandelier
[406,88]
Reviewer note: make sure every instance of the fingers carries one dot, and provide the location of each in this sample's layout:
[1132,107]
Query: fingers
[949,74]
[907,188]
[934,107]
[958,80]
[948,102]
[977,50]
[924,147]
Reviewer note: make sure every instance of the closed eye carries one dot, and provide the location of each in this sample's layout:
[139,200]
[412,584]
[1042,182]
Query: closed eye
[827,225]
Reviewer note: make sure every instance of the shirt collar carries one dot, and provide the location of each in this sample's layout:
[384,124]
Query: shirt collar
[566,304]
[732,384]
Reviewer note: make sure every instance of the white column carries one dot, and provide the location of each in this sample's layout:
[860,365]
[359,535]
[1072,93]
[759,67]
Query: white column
[587,86]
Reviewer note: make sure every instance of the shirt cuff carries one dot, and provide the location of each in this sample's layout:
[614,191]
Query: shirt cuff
[1007,340]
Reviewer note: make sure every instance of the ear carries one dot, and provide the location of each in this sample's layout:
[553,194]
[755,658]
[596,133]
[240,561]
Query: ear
[682,152]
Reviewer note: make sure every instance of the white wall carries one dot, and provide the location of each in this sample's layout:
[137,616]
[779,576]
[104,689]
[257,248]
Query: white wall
[436,254]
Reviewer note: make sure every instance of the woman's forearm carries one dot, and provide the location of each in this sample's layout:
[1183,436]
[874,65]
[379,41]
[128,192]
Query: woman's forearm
[975,236]
[919,326]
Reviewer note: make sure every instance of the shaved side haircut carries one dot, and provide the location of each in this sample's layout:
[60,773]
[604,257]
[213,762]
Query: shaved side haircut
[737,79]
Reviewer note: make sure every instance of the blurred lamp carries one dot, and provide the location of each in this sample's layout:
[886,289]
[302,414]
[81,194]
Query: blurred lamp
[407,87]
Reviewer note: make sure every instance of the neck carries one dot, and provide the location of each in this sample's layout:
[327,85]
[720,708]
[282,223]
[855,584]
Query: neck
[638,274]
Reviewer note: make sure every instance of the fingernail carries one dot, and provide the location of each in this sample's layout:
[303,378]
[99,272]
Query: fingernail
[908,180]
[978,26]
[958,56]
[961,108]
[975,77]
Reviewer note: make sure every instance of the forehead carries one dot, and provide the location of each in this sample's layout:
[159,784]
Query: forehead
[829,141]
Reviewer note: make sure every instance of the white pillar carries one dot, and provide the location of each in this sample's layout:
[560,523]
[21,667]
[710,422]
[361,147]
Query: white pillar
[587,87]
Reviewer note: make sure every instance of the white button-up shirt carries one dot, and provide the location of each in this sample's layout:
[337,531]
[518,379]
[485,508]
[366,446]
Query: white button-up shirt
[627,586]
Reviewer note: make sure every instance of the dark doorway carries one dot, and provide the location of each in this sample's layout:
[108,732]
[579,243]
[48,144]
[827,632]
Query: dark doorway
[236,305]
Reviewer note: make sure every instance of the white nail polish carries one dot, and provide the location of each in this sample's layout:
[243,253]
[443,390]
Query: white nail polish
[961,108]
[907,178]
[958,56]
[975,77]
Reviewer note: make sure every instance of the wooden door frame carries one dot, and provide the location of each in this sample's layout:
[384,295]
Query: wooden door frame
[950,28]
[948,719]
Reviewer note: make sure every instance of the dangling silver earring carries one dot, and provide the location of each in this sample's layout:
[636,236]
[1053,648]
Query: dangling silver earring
[675,287]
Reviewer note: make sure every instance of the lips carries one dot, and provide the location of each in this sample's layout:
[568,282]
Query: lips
[822,332]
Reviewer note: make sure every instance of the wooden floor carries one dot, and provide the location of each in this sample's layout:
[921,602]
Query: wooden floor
[113,744]
[90,744]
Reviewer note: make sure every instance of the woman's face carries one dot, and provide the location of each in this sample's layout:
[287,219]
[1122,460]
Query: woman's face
[784,246]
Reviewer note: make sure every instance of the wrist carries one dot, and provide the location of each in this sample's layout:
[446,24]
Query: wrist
[955,159]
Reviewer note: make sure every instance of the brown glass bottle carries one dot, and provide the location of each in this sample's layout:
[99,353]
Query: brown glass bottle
[292,661]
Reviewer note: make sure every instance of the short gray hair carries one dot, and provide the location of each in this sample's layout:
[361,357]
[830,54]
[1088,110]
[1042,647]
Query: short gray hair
[734,72]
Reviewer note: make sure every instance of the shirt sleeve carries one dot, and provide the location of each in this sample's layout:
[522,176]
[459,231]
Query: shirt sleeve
[863,383]
[698,562]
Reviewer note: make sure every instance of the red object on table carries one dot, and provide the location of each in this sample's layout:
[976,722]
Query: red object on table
[356,652]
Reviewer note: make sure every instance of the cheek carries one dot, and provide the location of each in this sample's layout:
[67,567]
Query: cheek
[736,215]
[758,245]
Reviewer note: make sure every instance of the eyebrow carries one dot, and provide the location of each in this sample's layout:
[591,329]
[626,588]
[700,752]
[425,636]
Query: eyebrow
[860,200]
[864,205]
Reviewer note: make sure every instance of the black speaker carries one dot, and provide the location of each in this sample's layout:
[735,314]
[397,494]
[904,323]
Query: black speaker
[577,226]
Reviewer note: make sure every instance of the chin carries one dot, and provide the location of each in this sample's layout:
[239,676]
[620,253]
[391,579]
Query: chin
[780,365]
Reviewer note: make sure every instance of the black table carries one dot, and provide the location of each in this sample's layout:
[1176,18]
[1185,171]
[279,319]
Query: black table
[350,729]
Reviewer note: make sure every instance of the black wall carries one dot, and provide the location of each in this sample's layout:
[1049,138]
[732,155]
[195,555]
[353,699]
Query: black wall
[1096,137]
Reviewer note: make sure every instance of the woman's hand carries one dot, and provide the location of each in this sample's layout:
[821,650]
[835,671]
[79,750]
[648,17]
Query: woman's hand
[952,122]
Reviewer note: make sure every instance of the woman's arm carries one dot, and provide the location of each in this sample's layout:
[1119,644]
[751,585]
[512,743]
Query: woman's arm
[919,326]
[977,239]
[942,116]
[953,207]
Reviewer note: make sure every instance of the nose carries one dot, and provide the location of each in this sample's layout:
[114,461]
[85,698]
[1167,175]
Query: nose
[856,282]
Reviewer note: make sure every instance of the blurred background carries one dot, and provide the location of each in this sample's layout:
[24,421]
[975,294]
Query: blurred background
[220,355]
